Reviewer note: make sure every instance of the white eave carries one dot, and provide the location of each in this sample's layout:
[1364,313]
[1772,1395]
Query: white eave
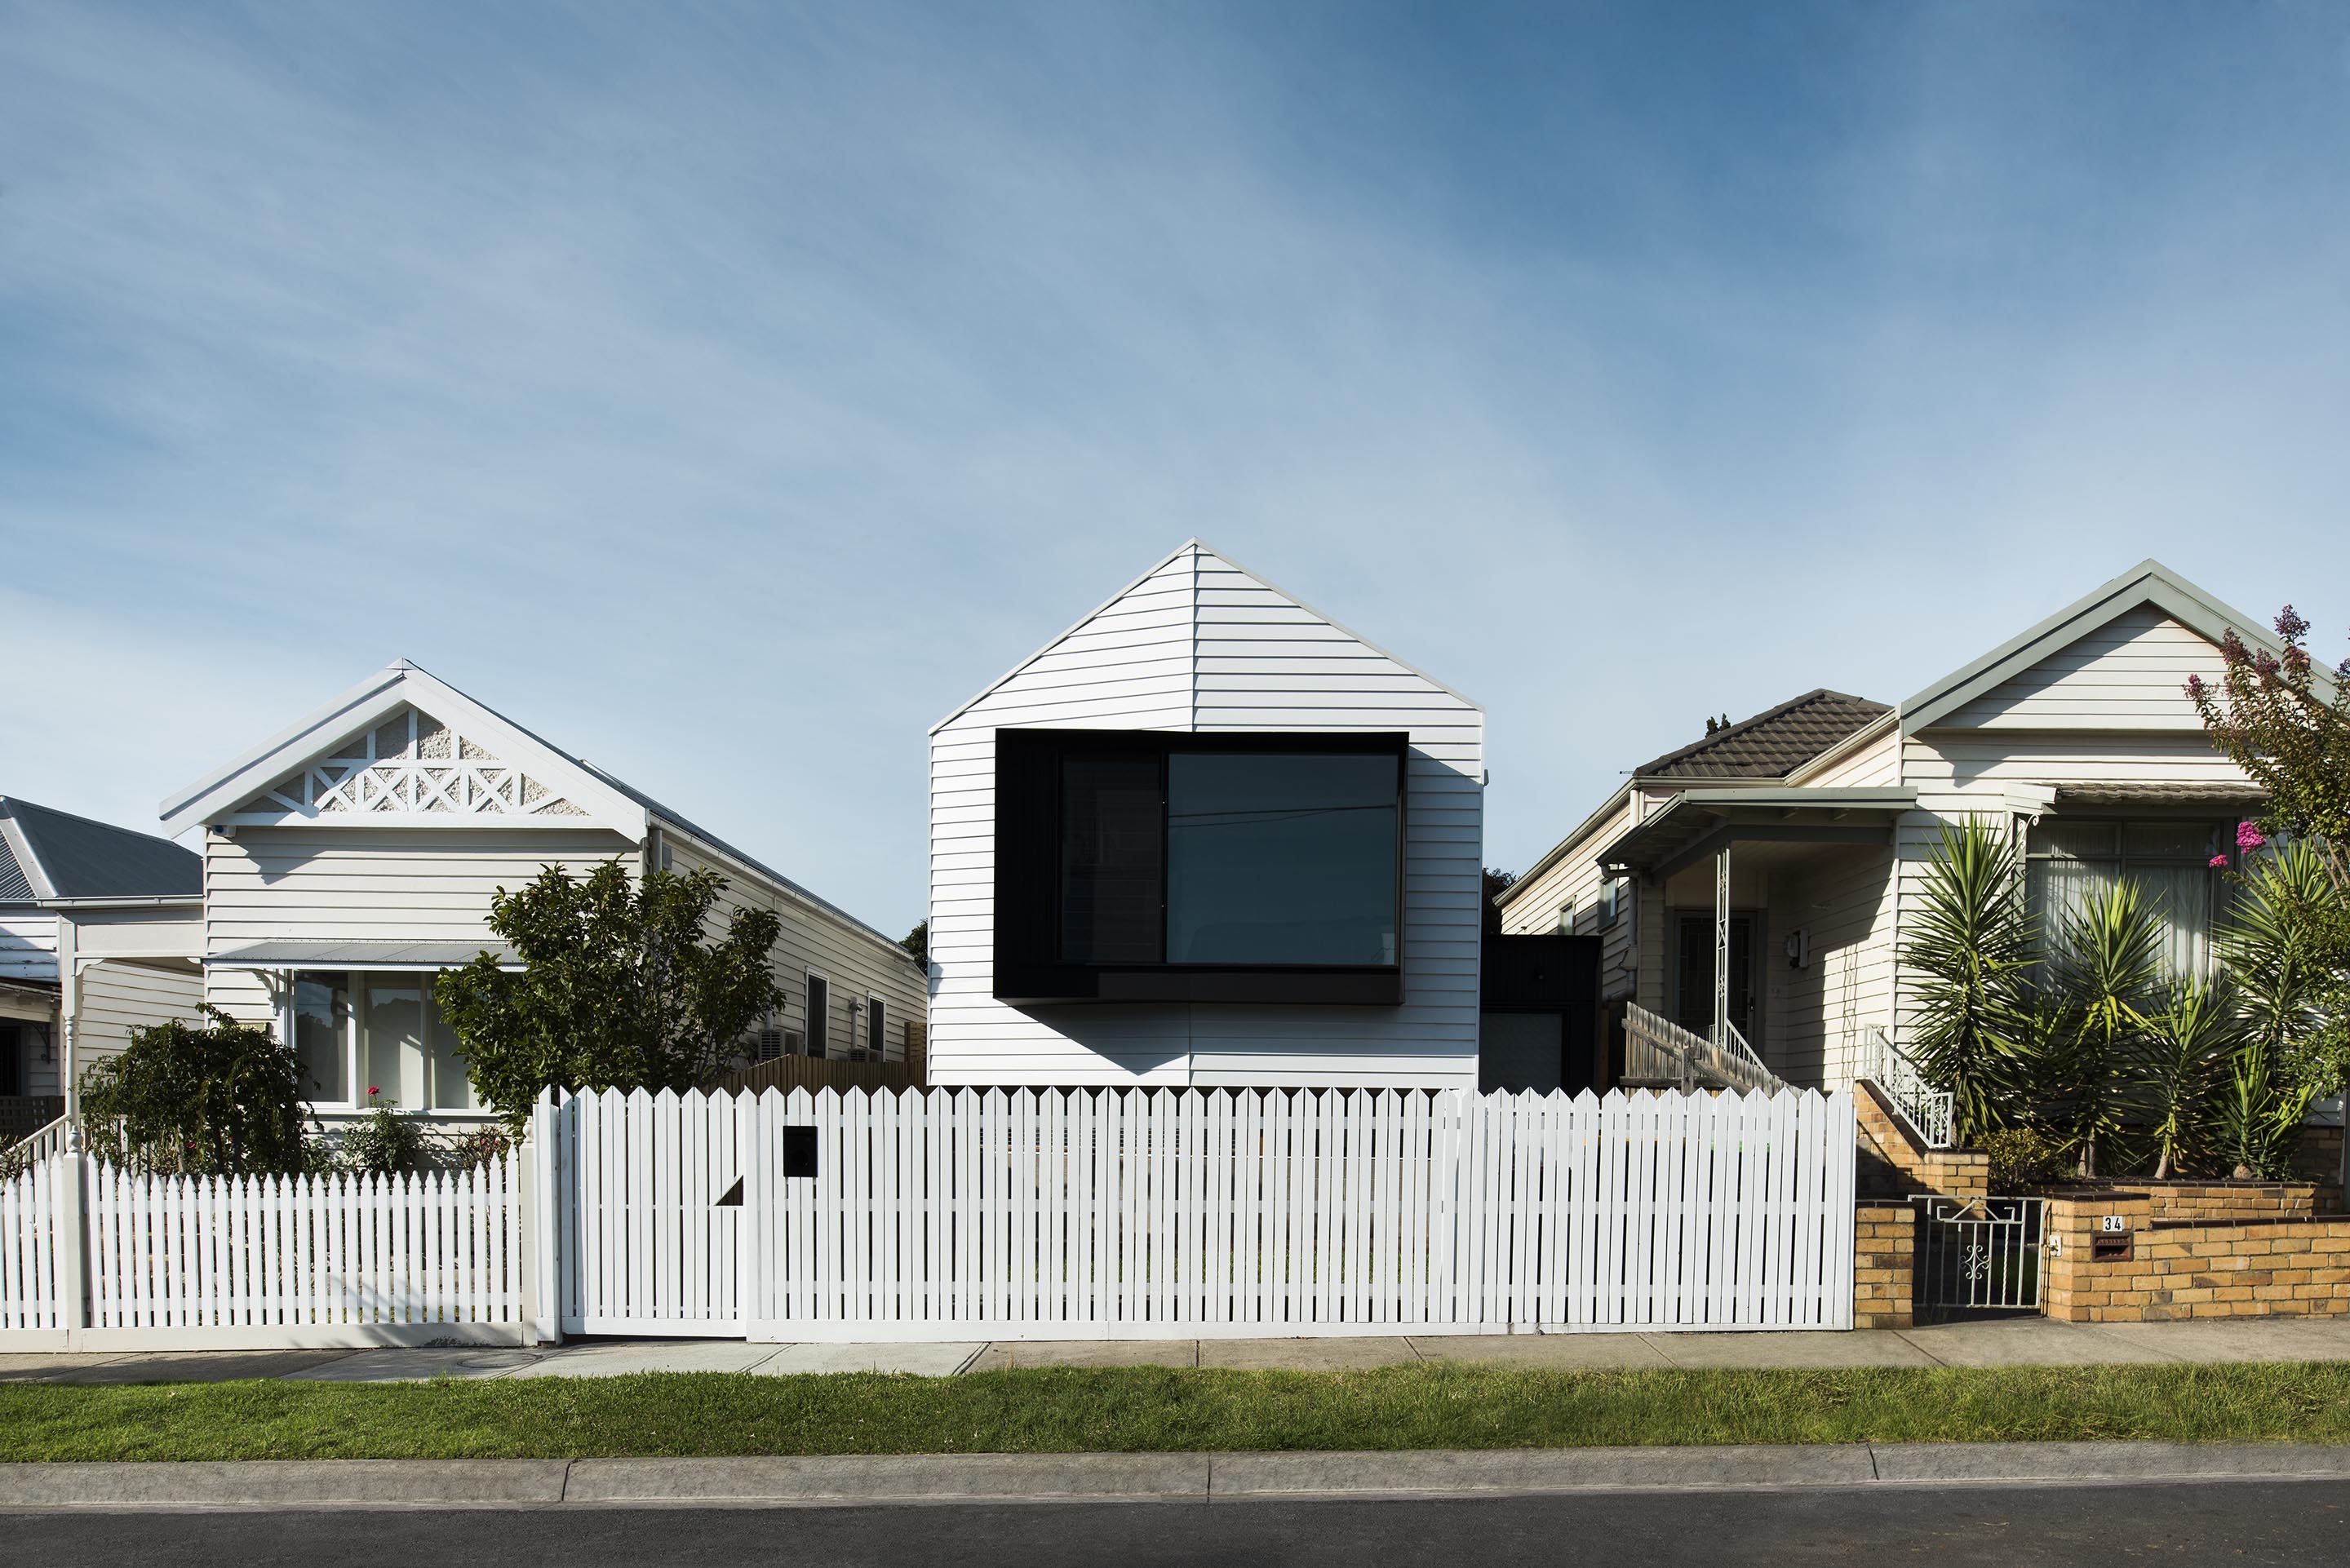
[1200,547]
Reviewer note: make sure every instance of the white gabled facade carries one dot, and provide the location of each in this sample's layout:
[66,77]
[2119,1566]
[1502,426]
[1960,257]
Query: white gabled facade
[368,839]
[2076,718]
[1198,644]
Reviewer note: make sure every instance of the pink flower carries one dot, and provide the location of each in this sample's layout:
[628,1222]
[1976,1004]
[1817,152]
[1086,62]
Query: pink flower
[2218,860]
[2249,837]
[373,1091]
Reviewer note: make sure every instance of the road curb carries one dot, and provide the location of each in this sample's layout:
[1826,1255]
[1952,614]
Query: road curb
[834,1480]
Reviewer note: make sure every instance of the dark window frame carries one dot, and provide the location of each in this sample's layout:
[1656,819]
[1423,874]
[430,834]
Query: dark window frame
[1029,969]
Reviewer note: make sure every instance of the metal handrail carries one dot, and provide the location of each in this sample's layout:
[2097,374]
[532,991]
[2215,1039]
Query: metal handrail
[1931,1112]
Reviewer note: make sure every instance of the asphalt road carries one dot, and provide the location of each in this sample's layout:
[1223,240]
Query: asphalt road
[2245,1522]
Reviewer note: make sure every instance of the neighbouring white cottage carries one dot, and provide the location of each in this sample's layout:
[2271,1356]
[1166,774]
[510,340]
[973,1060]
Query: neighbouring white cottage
[1782,854]
[350,858]
[100,930]
[1207,837]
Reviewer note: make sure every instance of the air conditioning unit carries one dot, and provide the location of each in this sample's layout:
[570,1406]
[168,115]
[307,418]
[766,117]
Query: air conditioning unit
[774,1042]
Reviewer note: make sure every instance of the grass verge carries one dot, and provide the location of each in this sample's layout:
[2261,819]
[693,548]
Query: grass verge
[1137,1409]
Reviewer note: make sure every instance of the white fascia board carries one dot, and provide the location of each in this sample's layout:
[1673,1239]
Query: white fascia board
[2148,583]
[1064,635]
[367,704]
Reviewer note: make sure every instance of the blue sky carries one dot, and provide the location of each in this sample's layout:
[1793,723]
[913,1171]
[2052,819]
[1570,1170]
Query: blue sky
[727,392]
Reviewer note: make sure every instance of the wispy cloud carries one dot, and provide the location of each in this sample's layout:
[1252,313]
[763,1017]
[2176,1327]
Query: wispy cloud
[728,393]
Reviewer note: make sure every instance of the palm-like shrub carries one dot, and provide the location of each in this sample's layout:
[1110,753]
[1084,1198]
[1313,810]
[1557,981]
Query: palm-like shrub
[2107,974]
[2284,945]
[2190,1044]
[1971,949]
[2260,1118]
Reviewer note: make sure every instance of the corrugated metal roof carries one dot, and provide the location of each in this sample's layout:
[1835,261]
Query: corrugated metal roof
[76,857]
[13,888]
[2246,795]
[1775,743]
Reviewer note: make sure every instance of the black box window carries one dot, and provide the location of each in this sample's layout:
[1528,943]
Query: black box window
[1149,866]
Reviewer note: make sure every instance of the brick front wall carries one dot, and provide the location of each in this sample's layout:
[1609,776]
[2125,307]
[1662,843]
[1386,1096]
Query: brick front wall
[1885,1254]
[2192,1268]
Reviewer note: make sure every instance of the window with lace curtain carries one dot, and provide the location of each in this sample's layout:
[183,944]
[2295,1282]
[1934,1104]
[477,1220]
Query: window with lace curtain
[2069,861]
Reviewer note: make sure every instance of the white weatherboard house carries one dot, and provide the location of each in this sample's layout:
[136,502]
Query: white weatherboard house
[1791,844]
[350,859]
[101,928]
[1207,837]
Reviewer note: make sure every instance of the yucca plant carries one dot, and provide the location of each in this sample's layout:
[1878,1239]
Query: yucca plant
[2274,942]
[2260,1118]
[1971,949]
[2189,1043]
[2105,977]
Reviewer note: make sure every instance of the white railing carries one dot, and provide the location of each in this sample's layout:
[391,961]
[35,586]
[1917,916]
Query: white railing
[1656,1049]
[51,1142]
[1651,1054]
[1931,1112]
[969,1214]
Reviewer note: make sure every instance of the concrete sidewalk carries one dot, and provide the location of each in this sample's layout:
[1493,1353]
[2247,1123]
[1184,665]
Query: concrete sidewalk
[2015,1342]
[1160,1478]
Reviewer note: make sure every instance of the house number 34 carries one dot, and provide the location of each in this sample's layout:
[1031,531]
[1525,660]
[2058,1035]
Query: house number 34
[2113,1222]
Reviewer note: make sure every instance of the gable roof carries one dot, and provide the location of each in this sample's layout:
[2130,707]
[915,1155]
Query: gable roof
[47,855]
[1192,546]
[2148,583]
[604,801]
[1774,743]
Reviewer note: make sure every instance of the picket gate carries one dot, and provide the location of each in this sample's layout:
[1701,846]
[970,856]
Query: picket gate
[971,1214]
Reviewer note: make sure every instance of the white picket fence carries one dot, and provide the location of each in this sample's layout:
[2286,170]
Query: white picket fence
[31,1296]
[167,1262]
[967,1214]
[963,1214]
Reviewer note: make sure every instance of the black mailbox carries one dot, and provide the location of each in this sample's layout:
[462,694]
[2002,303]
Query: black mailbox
[799,1152]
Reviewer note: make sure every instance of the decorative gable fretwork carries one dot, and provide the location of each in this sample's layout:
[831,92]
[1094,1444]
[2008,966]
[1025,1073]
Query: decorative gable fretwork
[412,764]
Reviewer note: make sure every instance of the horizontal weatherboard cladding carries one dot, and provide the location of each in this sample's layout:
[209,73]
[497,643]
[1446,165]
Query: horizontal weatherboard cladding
[1208,647]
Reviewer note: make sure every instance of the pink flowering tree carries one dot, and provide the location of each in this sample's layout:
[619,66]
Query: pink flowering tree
[2284,720]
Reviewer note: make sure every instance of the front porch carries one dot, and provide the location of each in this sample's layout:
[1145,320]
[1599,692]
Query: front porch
[1766,921]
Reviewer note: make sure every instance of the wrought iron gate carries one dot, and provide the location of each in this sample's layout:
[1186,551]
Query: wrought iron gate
[1978,1257]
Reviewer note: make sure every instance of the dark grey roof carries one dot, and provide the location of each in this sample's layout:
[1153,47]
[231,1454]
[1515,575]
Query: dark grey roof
[1775,743]
[75,857]
[13,888]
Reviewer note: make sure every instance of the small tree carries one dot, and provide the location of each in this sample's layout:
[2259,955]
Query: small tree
[1493,884]
[1972,948]
[917,942]
[2286,724]
[215,1098]
[616,988]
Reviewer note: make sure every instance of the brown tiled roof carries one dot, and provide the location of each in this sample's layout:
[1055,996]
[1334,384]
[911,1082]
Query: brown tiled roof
[1775,743]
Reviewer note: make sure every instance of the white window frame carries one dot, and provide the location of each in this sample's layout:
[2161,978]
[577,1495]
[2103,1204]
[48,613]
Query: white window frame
[816,1038]
[877,1036]
[354,1065]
